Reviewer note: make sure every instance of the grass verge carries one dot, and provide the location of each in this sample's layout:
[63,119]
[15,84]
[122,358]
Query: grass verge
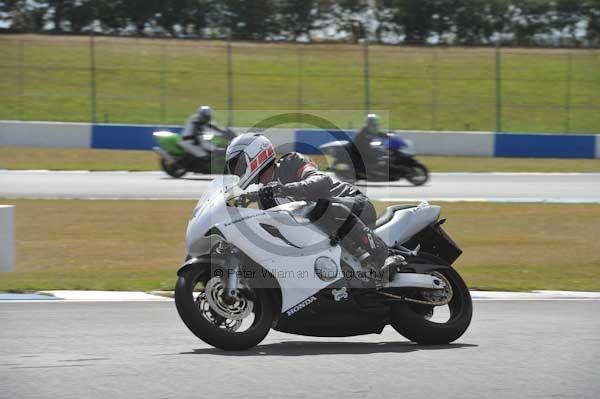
[87,159]
[138,245]
[76,159]
[138,80]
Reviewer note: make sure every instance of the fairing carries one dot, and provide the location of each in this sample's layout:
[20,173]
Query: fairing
[407,222]
[291,263]
[169,142]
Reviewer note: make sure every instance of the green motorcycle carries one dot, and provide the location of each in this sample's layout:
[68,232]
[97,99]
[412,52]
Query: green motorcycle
[179,156]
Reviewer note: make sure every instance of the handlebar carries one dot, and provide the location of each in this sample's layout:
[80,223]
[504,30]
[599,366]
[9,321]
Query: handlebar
[252,196]
[247,198]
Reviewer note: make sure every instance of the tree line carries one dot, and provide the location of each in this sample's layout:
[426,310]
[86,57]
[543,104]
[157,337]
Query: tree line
[459,22]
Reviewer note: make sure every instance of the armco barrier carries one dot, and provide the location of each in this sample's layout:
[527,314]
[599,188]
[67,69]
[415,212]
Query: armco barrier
[126,137]
[308,141]
[105,136]
[139,137]
[7,238]
[427,142]
[545,146]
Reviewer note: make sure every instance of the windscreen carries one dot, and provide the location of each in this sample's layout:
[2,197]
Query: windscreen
[217,187]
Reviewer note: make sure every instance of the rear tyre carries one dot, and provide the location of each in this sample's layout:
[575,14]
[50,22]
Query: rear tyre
[411,320]
[172,169]
[210,324]
[418,175]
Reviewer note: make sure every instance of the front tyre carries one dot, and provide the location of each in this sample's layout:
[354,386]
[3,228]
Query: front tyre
[418,174]
[413,320]
[172,169]
[228,326]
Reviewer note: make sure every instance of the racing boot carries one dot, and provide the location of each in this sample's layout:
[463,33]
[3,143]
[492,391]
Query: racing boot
[391,266]
[375,253]
[354,235]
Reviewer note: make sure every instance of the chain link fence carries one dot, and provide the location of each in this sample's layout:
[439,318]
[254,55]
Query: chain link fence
[162,81]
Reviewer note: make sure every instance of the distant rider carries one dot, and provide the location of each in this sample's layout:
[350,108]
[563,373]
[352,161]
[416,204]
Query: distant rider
[362,154]
[196,126]
[341,209]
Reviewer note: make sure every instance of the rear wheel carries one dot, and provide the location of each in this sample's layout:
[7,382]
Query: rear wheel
[227,325]
[435,325]
[418,175]
[172,169]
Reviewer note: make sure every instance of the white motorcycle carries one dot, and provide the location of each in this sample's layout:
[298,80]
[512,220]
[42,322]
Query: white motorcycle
[250,270]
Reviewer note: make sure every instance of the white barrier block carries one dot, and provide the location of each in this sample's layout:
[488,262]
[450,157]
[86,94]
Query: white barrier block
[7,238]
[452,143]
[45,134]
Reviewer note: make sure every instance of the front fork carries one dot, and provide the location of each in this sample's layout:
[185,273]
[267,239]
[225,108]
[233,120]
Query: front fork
[231,272]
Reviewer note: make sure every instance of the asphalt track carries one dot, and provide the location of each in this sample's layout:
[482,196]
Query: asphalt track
[513,349]
[504,187]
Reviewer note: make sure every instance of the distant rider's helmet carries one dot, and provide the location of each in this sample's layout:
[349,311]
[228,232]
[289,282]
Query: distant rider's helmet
[205,114]
[372,123]
[247,156]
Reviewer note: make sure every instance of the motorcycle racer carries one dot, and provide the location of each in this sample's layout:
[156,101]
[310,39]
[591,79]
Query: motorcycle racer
[362,140]
[196,125]
[341,210]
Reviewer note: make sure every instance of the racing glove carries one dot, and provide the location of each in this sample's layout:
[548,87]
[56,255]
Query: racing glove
[270,191]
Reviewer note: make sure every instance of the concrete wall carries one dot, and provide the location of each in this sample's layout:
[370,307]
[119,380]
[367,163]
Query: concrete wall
[7,238]
[45,134]
[139,137]
[480,144]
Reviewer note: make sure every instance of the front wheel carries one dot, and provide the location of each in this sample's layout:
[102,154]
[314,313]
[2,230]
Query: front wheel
[172,169]
[416,321]
[227,325]
[418,174]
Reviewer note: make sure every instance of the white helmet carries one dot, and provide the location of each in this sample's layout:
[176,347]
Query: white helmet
[247,155]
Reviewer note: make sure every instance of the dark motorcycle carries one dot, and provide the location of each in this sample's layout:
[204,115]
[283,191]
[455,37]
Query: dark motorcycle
[395,160]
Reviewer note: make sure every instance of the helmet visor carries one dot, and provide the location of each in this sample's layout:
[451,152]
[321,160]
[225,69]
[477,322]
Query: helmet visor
[236,165]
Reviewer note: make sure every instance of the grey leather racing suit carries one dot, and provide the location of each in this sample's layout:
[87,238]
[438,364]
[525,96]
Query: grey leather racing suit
[341,210]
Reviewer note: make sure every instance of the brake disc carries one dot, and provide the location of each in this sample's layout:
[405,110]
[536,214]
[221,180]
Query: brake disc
[238,310]
[213,317]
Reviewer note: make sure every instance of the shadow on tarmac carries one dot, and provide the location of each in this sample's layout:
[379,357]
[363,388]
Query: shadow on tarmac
[189,178]
[312,348]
